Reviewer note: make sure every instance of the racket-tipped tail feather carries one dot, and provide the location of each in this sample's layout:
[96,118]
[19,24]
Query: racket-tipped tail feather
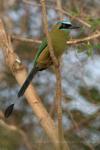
[9,110]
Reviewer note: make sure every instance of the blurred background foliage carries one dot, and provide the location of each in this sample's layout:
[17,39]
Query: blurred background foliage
[80,69]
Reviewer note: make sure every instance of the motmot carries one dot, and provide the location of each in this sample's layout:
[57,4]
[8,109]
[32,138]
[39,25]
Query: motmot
[59,34]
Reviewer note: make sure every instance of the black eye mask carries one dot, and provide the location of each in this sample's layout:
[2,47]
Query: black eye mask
[65,26]
[68,26]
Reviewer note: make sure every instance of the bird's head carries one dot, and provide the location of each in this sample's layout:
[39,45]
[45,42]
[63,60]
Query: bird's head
[65,25]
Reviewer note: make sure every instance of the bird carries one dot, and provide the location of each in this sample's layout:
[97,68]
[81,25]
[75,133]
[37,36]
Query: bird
[59,34]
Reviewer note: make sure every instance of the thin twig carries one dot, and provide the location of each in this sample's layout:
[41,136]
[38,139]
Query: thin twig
[59,7]
[91,37]
[23,39]
[62,11]
[75,18]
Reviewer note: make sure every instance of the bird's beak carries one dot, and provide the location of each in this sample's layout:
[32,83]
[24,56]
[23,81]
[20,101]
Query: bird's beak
[74,27]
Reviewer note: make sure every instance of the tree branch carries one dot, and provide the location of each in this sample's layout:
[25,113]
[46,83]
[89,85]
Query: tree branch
[20,74]
[62,11]
[62,144]
[91,37]
[70,42]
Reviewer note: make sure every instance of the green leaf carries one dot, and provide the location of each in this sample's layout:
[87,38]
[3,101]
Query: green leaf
[95,23]
[89,49]
[97,46]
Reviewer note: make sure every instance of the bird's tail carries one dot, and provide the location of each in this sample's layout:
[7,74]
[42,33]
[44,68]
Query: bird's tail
[27,81]
[10,108]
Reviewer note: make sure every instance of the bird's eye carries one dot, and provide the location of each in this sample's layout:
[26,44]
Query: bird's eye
[65,26]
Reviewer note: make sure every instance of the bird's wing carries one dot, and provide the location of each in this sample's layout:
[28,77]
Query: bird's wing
[41,48]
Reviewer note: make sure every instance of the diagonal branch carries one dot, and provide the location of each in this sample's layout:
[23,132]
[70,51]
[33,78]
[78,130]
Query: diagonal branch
[62,11]
[20,74]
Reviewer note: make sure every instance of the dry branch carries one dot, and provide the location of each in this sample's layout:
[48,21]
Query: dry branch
[59,7]
[23,39]
[91,37]
[70,42]
[20,74]
[62,144]
[61,11]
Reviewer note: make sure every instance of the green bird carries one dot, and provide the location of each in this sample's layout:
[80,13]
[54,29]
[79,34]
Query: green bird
[59,35]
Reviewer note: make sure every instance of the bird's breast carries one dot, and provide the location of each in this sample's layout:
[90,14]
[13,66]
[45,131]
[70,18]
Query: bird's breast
[59,39]
[59,44]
